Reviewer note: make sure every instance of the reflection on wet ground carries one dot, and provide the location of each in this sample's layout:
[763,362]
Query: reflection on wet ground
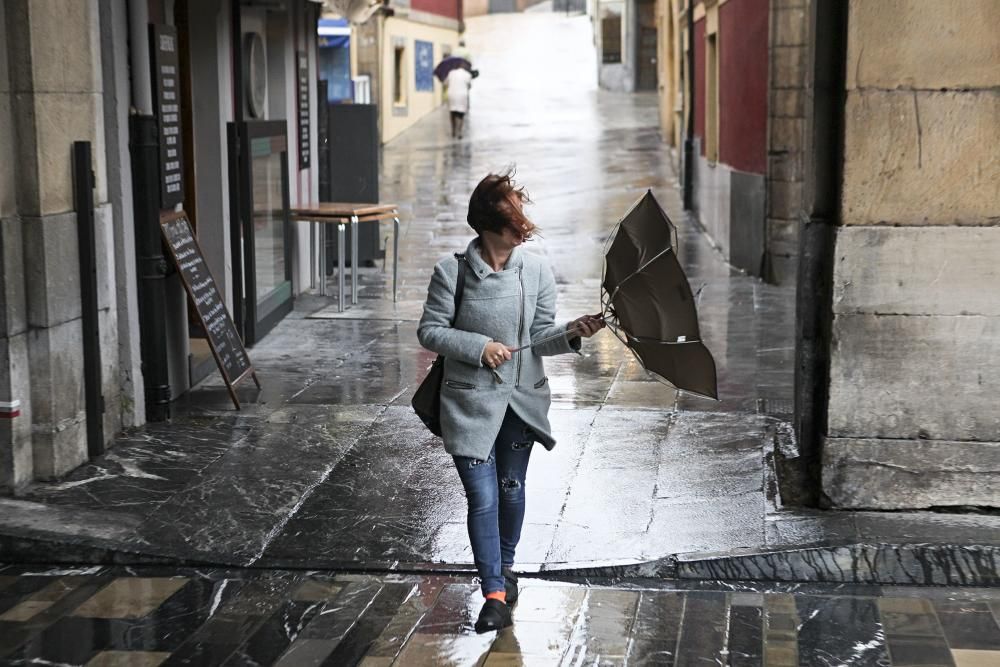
[153,617]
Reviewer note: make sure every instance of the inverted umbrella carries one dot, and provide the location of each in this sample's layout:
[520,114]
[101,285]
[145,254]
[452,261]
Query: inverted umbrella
[448,64]
[647,301]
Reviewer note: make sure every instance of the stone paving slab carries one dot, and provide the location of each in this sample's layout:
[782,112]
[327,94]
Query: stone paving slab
[167,616]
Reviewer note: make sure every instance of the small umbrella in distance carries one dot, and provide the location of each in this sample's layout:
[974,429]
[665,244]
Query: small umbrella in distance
[647,301]
[448,64]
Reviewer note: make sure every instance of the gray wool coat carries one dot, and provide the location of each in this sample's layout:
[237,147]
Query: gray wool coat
[514,306]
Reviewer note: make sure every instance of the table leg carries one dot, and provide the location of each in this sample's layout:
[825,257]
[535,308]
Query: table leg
[341,232]
[395,256]
[313,257]
[354,259]
[322,258]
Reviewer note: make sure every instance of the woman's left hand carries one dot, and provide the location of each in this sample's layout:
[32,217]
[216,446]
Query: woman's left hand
[586,326]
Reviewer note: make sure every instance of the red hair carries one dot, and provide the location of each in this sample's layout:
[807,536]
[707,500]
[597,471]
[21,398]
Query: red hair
[497,202]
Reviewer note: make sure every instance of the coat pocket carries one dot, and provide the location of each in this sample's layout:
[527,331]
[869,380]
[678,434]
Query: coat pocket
[455,384]
[541,383]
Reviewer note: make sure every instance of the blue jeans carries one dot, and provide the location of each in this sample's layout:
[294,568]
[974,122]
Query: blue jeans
[495,491]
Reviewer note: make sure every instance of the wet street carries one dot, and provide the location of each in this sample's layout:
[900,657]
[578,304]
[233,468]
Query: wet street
[233,534]
[120,616]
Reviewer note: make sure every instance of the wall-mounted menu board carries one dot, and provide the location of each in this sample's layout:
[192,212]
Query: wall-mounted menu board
[167,107]
[225,342]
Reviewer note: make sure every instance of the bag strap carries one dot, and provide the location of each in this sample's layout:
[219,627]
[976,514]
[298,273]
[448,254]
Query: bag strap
[460,284]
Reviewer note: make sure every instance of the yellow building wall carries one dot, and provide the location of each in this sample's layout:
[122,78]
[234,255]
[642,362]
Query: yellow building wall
[397,118]
[472,8]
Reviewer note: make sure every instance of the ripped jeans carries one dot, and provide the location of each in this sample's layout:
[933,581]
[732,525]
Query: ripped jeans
[495,491]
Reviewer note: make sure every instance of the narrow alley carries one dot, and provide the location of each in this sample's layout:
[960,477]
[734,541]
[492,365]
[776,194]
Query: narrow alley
[328,466]
[323,524]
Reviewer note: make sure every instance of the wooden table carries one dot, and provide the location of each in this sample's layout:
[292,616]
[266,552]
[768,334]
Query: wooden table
[342,214]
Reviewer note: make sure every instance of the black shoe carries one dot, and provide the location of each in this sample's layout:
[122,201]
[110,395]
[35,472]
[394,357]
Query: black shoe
[510,586]
[495,615]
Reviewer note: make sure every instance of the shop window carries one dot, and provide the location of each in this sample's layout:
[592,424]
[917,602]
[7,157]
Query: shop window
[399,76]
[711,98]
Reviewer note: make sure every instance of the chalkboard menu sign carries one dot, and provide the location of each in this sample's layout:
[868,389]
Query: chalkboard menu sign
[303,70]
[225,342]
[166,93]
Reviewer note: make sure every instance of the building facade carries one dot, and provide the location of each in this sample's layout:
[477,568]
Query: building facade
[397,49]
[740,128]
[203,107]
[844,148]
[472,8]
[627,42]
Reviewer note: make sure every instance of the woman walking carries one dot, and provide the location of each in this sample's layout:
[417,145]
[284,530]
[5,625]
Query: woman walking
[495,400]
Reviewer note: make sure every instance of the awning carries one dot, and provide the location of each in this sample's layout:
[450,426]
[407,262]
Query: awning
[333,28]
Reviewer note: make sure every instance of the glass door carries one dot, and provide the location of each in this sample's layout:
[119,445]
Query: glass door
[265,229]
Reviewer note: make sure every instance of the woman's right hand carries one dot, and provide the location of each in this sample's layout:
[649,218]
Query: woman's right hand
[495,354]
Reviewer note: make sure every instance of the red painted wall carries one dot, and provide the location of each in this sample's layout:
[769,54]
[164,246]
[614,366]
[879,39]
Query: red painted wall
[699,82]
[449,8]
[743,85]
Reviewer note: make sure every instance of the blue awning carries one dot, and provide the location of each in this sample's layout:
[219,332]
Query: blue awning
[333,34]
[333,27]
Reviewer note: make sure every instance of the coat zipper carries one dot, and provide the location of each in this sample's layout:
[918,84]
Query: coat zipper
[520,325]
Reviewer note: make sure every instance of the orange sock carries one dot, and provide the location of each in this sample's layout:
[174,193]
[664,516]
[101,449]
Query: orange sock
[497,595]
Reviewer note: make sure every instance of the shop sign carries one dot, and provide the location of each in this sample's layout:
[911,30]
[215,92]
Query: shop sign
[304,129]
[166,102]
[424,54]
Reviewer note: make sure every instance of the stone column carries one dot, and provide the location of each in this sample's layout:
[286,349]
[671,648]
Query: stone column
[56,84]
[786,139]
[15,385]
[915,358]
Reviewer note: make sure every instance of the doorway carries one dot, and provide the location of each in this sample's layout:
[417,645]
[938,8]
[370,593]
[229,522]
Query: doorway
[265,230]
[646,76]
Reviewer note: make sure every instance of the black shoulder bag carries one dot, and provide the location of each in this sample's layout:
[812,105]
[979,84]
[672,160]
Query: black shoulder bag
[427,399]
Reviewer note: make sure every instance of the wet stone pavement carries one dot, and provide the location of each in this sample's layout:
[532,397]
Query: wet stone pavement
[327,469]
[147,617]
[327,466]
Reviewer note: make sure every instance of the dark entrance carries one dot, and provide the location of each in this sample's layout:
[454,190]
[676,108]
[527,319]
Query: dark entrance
[646,64]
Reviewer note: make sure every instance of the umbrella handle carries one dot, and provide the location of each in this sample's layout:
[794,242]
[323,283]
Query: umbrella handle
[547,339]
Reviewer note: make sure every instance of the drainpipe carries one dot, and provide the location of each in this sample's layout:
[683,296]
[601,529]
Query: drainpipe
[689,138]
[814,294]
[151,265]
[234,137]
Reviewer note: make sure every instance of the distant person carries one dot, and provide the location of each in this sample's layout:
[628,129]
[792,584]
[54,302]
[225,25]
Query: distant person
[459,82]
[495,397]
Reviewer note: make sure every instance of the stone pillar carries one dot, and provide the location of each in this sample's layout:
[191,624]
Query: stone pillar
[786,139]
[117,104]
[56,85]
[915,357]
[15,385]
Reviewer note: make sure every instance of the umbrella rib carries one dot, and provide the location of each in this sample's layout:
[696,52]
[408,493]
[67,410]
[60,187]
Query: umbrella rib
[665,342]
[636,272]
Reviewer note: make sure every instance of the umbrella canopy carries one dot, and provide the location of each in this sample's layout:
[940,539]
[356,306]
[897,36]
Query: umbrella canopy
[648,303]
[448,64]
